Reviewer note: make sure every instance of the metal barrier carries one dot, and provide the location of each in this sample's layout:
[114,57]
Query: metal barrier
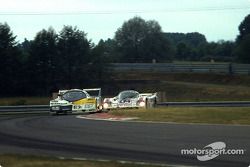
[224,68]
[207,104]
[24,108]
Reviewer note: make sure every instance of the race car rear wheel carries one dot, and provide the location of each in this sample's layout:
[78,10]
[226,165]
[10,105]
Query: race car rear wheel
[150,103]
[155,103]
[146,104]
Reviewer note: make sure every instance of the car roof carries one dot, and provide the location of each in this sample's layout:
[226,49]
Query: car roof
[128,91]
[73,90]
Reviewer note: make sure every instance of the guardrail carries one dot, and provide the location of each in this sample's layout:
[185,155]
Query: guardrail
[225,68]
[207,104]
[45,108]
[24,108]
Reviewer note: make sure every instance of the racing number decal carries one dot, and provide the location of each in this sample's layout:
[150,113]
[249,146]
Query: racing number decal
[88,106]
[77,107]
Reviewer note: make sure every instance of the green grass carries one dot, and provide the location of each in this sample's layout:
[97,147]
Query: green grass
[24,101]
[220,79]
[210,115]
[187,91]
[34,161]
[188,87]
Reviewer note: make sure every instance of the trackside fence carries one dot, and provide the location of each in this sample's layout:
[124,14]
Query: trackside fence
[223,68]
[25,108]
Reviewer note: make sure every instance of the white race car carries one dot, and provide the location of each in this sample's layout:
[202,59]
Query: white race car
[130,99]
[73,100]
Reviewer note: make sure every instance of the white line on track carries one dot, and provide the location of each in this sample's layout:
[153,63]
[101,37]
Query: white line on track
[108,119]
[131,120]
[123,162]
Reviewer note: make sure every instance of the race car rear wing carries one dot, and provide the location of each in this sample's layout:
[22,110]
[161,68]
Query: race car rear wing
[62,92]
[148,94]
[94,92]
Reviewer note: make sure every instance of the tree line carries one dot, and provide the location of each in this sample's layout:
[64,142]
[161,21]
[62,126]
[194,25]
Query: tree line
[67,59]
[49,62]
[143,41]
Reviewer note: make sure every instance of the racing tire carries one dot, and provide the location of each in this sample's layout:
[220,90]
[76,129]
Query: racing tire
[105,110]
[146,104]
[53,113]
[99,111]
[155,103]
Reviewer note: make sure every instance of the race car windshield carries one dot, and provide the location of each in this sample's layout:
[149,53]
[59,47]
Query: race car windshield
[129,94]
[73,96]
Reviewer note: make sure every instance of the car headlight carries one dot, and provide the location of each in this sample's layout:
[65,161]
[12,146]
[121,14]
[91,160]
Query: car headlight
[142,104]
[105,105]
[55,108]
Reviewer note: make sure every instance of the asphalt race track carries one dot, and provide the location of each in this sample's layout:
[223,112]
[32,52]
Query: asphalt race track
[71,137]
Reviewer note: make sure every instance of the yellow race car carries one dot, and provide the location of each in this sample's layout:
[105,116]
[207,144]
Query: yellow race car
[77,100]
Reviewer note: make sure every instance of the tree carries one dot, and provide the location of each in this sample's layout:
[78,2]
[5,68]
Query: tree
[43,62]
[141,41]
[243,41]
[243,50]
[99,68]
[224,50]
[189,46]
[25,49]
[193,39]
[9,60]
[219,51]
[74,53]
[244,28]
[196,39]
[108,48]
[183,51]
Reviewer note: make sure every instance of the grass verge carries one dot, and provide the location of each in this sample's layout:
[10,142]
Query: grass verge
[209,115]
[35,161]
[187,87]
